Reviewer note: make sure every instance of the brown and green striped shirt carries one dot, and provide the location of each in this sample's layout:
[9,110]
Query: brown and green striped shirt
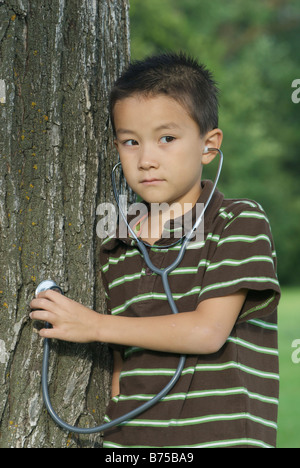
[225,399]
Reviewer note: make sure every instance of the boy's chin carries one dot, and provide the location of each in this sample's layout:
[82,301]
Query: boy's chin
[149,200]
[156,201]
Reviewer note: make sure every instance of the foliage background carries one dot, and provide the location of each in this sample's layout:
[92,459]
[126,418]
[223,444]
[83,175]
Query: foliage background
[253,50]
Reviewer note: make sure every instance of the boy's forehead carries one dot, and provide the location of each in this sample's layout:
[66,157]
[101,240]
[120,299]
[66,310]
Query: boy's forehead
[167,112]
[148,100]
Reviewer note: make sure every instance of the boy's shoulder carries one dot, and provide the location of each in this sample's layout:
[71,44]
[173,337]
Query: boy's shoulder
[233,207]
[245,216]
[223,211]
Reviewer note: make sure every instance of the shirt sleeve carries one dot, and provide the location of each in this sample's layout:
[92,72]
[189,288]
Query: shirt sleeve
[244,257]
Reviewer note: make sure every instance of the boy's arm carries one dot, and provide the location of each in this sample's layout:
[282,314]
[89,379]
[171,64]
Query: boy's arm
[203,331]
[118,364]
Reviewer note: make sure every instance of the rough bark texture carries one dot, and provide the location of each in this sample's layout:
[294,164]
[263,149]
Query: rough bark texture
[58,59]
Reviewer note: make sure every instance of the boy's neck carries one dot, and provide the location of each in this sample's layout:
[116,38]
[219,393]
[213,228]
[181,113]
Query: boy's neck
[152,227]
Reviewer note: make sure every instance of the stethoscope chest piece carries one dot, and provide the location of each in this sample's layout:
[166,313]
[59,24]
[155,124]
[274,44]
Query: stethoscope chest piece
[45,285]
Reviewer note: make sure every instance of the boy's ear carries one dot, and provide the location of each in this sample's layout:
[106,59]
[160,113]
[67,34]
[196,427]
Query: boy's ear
[213,139]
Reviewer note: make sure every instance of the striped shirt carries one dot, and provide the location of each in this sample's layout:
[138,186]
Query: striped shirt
[225,399]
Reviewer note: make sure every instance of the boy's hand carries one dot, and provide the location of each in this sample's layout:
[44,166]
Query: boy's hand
[70,320]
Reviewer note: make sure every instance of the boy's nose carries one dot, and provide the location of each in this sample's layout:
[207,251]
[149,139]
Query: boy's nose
[147,159]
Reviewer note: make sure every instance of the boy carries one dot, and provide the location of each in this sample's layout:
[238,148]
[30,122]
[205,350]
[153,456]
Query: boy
[164,112]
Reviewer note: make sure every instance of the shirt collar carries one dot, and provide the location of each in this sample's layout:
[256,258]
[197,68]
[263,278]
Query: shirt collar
[173,230]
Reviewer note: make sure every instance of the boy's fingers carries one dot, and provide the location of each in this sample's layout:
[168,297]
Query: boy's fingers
[47,333]
[45,300]
[42,303]
[42,315]
[55,333]
[50,295]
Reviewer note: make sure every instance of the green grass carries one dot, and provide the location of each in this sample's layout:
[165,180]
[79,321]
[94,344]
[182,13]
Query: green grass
[289,400]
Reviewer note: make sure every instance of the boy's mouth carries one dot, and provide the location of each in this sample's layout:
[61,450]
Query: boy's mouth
[152,181]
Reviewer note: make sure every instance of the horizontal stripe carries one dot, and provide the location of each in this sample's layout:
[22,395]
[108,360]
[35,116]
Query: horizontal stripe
[200,394]
[214,444]
[247,215]
[153,296]
[199,420]
[245,239]
[251,203]
[126,279]
[201,368]
[262,324]
[232,262]
[231,443]
[253,214]
[234,442]
[253,347]
[121,258]
[192,245]
[193,270]
[248,279]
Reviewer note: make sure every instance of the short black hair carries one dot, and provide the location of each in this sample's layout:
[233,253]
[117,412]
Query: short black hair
[175,75]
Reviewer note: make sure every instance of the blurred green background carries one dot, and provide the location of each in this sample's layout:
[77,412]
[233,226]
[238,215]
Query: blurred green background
[253,49]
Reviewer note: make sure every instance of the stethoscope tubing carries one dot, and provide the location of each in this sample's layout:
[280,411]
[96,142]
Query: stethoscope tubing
[163,273]
[103,427]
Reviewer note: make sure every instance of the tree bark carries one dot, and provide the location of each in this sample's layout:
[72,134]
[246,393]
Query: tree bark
[59,59]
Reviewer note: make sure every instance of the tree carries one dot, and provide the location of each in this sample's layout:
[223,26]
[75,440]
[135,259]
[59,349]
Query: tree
[58,61]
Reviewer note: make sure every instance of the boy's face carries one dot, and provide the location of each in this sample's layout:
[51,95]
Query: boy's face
[160,149]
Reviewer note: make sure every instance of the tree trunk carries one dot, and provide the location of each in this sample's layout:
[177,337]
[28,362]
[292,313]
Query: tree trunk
[59,59]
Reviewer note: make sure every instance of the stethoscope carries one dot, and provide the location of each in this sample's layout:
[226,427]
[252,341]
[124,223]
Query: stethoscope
[163,273]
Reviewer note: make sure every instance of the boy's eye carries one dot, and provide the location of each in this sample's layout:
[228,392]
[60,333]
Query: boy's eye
[167,139]
[130,143]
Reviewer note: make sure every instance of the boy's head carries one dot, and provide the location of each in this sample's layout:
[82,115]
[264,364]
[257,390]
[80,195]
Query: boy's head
[176,76]
[165,112]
